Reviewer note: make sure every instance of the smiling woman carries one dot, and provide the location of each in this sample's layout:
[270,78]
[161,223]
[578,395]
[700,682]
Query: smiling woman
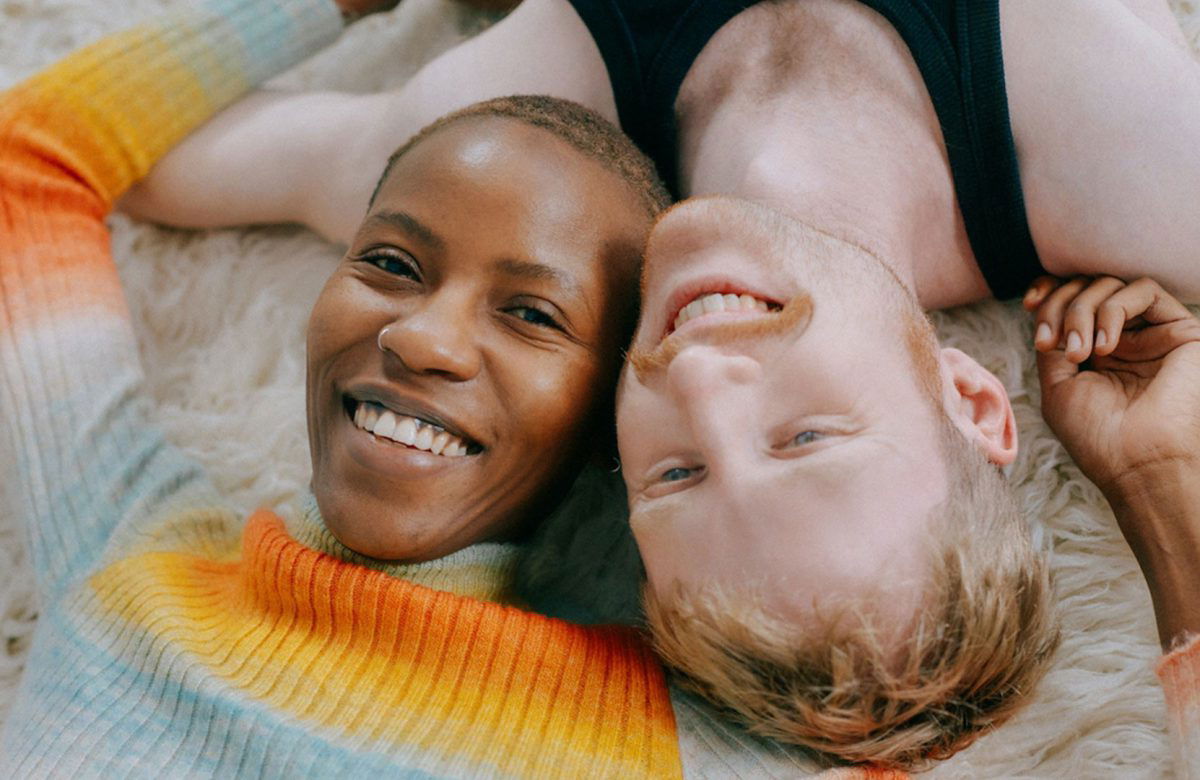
[460,353]
[459,356]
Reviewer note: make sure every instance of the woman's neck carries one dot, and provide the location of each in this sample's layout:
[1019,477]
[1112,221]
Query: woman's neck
[484,571]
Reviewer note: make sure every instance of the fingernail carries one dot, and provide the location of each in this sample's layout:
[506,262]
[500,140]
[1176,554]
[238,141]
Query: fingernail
[1074,342]
[1043,333]
[1101,338]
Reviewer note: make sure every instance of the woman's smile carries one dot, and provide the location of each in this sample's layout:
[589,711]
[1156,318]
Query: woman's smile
[459,355]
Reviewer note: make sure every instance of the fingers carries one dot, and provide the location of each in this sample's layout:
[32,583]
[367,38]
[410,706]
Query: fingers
[1157,341]
[1038,290]
[1065,323]
[1084,317]
[1090,322]
[1145,298]
[1054,368]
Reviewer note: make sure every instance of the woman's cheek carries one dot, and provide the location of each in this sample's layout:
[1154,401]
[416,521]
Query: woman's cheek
[573,394]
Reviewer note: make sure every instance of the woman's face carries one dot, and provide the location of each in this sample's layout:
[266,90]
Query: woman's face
[458,353]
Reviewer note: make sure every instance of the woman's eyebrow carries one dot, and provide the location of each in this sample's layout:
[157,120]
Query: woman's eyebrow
[523,269]
[409,224]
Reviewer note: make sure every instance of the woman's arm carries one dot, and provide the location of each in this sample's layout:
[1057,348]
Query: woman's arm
[1126,405]
[1159,513]
[78,461]
[273,157]
[314,158]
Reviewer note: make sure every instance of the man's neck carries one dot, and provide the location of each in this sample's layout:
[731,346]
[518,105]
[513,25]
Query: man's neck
[848,143]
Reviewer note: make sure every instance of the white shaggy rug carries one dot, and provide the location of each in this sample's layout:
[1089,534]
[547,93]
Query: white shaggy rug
[221,317]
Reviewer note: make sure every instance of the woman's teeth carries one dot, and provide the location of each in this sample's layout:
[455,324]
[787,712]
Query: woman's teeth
[714,302]
[411,431]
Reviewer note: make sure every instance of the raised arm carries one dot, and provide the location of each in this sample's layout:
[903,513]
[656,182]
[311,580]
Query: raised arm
[79,464]
[314,158]
[1130,417]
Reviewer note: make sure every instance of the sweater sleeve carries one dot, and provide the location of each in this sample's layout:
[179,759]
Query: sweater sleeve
[80,466]
[1179,672]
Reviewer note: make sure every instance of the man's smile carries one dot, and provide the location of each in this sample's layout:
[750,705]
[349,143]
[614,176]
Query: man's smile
[706,296]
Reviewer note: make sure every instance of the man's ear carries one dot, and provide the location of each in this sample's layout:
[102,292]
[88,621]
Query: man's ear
[978,405]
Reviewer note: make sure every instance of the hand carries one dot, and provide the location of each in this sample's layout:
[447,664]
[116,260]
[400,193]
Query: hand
[1120,373]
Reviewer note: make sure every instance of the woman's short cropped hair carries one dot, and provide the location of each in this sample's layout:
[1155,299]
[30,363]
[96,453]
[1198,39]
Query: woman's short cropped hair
[579,126]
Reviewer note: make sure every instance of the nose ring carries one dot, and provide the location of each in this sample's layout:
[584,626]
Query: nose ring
[379,338]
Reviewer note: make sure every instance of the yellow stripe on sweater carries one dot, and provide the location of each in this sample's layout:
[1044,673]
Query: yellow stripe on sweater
[451,684]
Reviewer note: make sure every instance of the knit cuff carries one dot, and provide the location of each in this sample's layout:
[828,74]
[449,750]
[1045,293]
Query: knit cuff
[1179,672]
[119,105]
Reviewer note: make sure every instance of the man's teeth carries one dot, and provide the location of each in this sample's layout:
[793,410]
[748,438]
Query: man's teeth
[411,431]
[714,302]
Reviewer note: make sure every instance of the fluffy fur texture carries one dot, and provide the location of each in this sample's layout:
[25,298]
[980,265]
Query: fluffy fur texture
[221,317]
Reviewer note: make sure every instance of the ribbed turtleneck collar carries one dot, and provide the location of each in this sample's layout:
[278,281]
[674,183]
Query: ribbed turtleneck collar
[484,571]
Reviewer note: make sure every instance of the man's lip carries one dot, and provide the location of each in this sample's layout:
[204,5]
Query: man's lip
[688,291]
[411,407]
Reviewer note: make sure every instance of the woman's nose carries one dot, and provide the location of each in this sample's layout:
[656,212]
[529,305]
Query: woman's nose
[439,339]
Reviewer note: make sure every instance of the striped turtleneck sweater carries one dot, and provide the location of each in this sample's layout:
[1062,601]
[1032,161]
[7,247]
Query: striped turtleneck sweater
[176,638]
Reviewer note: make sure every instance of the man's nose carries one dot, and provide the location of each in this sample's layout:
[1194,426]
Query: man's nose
[438,338]
[713,389]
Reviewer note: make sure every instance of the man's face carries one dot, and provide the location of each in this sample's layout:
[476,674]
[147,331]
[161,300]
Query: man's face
[473,327]
[781,437]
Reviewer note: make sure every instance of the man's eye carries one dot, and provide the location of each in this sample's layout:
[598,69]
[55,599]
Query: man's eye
[393,264]
[805,437]
[534,316]
[676,474]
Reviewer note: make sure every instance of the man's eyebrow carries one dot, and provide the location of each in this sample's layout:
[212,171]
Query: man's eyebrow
[409,224]
[523,269]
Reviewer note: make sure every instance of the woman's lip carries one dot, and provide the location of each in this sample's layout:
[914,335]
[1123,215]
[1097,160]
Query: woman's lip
[393,459]
[410,407]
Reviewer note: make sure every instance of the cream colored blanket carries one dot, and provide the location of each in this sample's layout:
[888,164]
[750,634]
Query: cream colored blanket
[221,317]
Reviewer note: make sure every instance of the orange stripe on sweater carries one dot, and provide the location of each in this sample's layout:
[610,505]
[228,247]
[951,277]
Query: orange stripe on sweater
[397,667]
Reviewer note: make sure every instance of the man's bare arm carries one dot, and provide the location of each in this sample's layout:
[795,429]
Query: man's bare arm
[315,157]
[1104,98]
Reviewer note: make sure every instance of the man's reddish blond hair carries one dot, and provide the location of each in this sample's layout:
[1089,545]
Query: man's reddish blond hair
[983,637]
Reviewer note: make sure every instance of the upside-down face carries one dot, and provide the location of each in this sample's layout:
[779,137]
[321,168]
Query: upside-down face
[772,428]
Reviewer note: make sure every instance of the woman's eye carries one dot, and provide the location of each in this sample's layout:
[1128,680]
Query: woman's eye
[676,474]
[805,437]
[534,316]
[393,264]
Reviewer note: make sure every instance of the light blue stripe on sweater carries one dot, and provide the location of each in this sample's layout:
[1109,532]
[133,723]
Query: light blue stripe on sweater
[172,713]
